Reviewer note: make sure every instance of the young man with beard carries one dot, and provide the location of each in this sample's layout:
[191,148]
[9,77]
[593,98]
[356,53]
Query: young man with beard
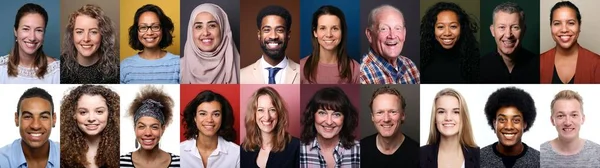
[274,23]
[510,112]
[35,118]
[389,147]
[510,63]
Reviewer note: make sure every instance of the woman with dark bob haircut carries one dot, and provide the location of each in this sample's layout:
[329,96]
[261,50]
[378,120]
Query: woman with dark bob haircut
[208,122]
[151,33]
[449,50]
[328,123]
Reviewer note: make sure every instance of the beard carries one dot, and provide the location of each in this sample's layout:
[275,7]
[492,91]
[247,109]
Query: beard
[276,54]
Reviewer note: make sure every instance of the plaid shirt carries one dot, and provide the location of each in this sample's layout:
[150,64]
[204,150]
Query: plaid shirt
[310,156]
[376,70]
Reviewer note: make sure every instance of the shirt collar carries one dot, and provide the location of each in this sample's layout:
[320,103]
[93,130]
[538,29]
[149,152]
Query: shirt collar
[315,145]
[264,64]
[384,62]
[20,156]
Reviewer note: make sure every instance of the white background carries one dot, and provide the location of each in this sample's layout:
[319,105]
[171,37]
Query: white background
[542,130]
[169,141]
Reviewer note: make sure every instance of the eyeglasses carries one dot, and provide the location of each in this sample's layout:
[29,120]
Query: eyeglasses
[144,29]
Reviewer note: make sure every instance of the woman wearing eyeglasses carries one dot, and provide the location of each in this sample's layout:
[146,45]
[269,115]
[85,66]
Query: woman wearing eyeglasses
[151,33]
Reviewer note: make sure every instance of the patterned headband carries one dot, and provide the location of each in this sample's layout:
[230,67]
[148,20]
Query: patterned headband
[150,108]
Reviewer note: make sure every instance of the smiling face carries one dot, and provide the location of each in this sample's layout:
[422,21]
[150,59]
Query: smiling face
[208,118]
[206,32]
[266,114]
[91,114]
[567,117]
[30,33]
[447,29]
[387,115]
[86,36]
[273,36]
[36,121]
[388,34]
[151,36]
[565,27]
[507,32]
[447,116]
[328,123]
[328,32]
[148,131]
[509,126]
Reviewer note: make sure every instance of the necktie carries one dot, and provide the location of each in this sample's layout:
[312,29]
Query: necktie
[272,72]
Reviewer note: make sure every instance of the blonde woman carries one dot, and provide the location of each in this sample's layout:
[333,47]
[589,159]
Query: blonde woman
[450,135]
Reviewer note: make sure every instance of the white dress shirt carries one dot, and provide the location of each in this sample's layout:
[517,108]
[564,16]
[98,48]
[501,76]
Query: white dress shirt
[280,75]
[227,155]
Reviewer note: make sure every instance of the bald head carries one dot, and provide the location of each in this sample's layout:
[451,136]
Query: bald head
[382,10]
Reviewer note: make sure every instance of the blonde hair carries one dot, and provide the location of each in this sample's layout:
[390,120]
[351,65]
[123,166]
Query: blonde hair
[281,137]
[566,94]
[465,132]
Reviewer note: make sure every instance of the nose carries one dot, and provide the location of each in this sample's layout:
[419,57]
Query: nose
[447,116]
[91,118]
[268,116]
[329,120]
[210,118]
[205,32]
[563,28]
[508,33]
[86,37]
[147,131]
[272,35]
[386,117]
[36,124]
[509,125]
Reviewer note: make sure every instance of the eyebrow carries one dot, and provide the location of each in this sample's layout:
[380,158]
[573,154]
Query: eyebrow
[84,29]
[30,113]
[208,111]
[275,27]
[513,116]
[211,21]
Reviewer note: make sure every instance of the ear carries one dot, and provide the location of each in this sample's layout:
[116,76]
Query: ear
[258,35]
[402,116]
[15,32]
[552,121]
[53,119]
[492,30]
[315,33]
[289,35]
[582,118]
[17,119]
[368,34]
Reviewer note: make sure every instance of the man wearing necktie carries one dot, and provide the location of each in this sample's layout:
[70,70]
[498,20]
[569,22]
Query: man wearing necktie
[273,23]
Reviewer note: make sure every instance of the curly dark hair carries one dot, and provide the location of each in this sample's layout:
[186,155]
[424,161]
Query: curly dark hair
[274,10]
[73,146]
[510,97]
[467,43]
[156,94]
[166,27]
[189,113]
[330,98]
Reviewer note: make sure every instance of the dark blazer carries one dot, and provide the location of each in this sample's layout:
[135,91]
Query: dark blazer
[289,157]
[429,155]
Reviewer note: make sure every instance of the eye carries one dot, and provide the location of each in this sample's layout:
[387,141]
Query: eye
[266,30]
[198,27]
[217,114]
[454,26]
[155,127]
[82,112]
[456,112]
[321,28]
[78,32]
[94,32]
[439,27]
[516,121]
[440,111]
[213,25]
[100,112]
[202,113]
[337,114]
[280,30]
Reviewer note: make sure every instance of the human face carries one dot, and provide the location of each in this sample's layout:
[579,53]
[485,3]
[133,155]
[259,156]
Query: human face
[208,118]
[447,29]
[507,32]
[328,32]
[388,34]
[148,132]
[567,117]
[91,114]
[328,123]
[565,27]
[387,115]
[266,114]
[30,33]
[86,36]
[151,37]
[35,122]
[447,116]
[509,126]
[273,36]
[206,32]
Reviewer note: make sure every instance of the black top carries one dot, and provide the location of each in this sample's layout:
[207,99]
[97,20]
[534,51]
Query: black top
[87,75]
[444,67]
[429,156]
[526,69]
[405,156]
[509,161]
[289,157]
[556,78]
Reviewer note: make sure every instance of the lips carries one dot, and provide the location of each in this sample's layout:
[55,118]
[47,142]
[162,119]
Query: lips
[267,123]
[30,44]
[509,43]
[509,136]
[565,38]
[91,127]
[568,129]
[86,46]
[147,141]
[150,39]
[207,41]
[209,127]
[35,136]
[449,125]
[391,43]
[447,41]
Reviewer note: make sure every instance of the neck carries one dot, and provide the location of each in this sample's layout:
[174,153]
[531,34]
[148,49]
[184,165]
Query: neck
[152,53]
[93,141]
[508,59]
[267,141]
[389,145]
[450,143]
[26,60]
[510,150]
[567,52]
[272,61]
[328,143]
[567,146]
[390,60]
[327,56]
[87,61]
[149,155]
[36,154]
[206,142]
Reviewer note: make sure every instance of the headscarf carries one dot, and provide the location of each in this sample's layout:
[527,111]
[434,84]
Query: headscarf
[150,108]
[218,67]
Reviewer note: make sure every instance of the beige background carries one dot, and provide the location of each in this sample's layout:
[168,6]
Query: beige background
[588,37]
[110,7]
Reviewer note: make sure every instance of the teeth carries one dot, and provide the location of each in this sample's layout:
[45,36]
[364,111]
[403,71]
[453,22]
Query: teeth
[328,128]
[568,129]
[36,135]
[28,44]
[147,141]
[386,126]
[86,46]
[565,38]
[268,123]
[448,125]
[509,135]
[447,41]
[206,40]
[273,44]
[149,39]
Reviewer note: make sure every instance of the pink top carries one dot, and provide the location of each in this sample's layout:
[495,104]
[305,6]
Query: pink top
[329,73]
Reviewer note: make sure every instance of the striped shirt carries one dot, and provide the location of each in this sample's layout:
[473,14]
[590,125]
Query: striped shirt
[376,70]
[165,70]
[127,162]
[310,156]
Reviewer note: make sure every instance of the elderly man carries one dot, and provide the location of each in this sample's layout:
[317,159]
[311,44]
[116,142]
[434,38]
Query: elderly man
[384,64]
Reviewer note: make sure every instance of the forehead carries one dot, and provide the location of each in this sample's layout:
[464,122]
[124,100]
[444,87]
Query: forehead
[91,100]
[148,17]
[447,100]
[35,105]
[273,21]
[328,19]
[388,16]
[447,16]
[563,12]
[509,112]
[204,16]
[85,20]
[567,103]
[502,16]
[32,19]
[145,120]
[209,106]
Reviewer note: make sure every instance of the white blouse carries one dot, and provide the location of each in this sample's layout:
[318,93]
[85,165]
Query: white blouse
[227,155]
[28,75]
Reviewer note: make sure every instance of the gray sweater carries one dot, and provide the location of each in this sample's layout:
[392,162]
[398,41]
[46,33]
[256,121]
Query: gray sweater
[490,158]
[587,157]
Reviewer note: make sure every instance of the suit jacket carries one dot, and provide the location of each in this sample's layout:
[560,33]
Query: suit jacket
[587,71]
[429,156]
[253,73]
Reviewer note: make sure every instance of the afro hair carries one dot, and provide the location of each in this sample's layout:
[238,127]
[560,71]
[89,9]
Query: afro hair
[511,97]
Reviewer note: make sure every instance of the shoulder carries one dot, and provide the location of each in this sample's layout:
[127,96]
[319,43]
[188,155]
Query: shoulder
[4,60]
[130,59]
[303,60]
[250,67]
[292,63]
[172,57]
[187,143]
[487,150]
[369,140]
[588,53]
[532,151]
[548,53]
[406,60]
